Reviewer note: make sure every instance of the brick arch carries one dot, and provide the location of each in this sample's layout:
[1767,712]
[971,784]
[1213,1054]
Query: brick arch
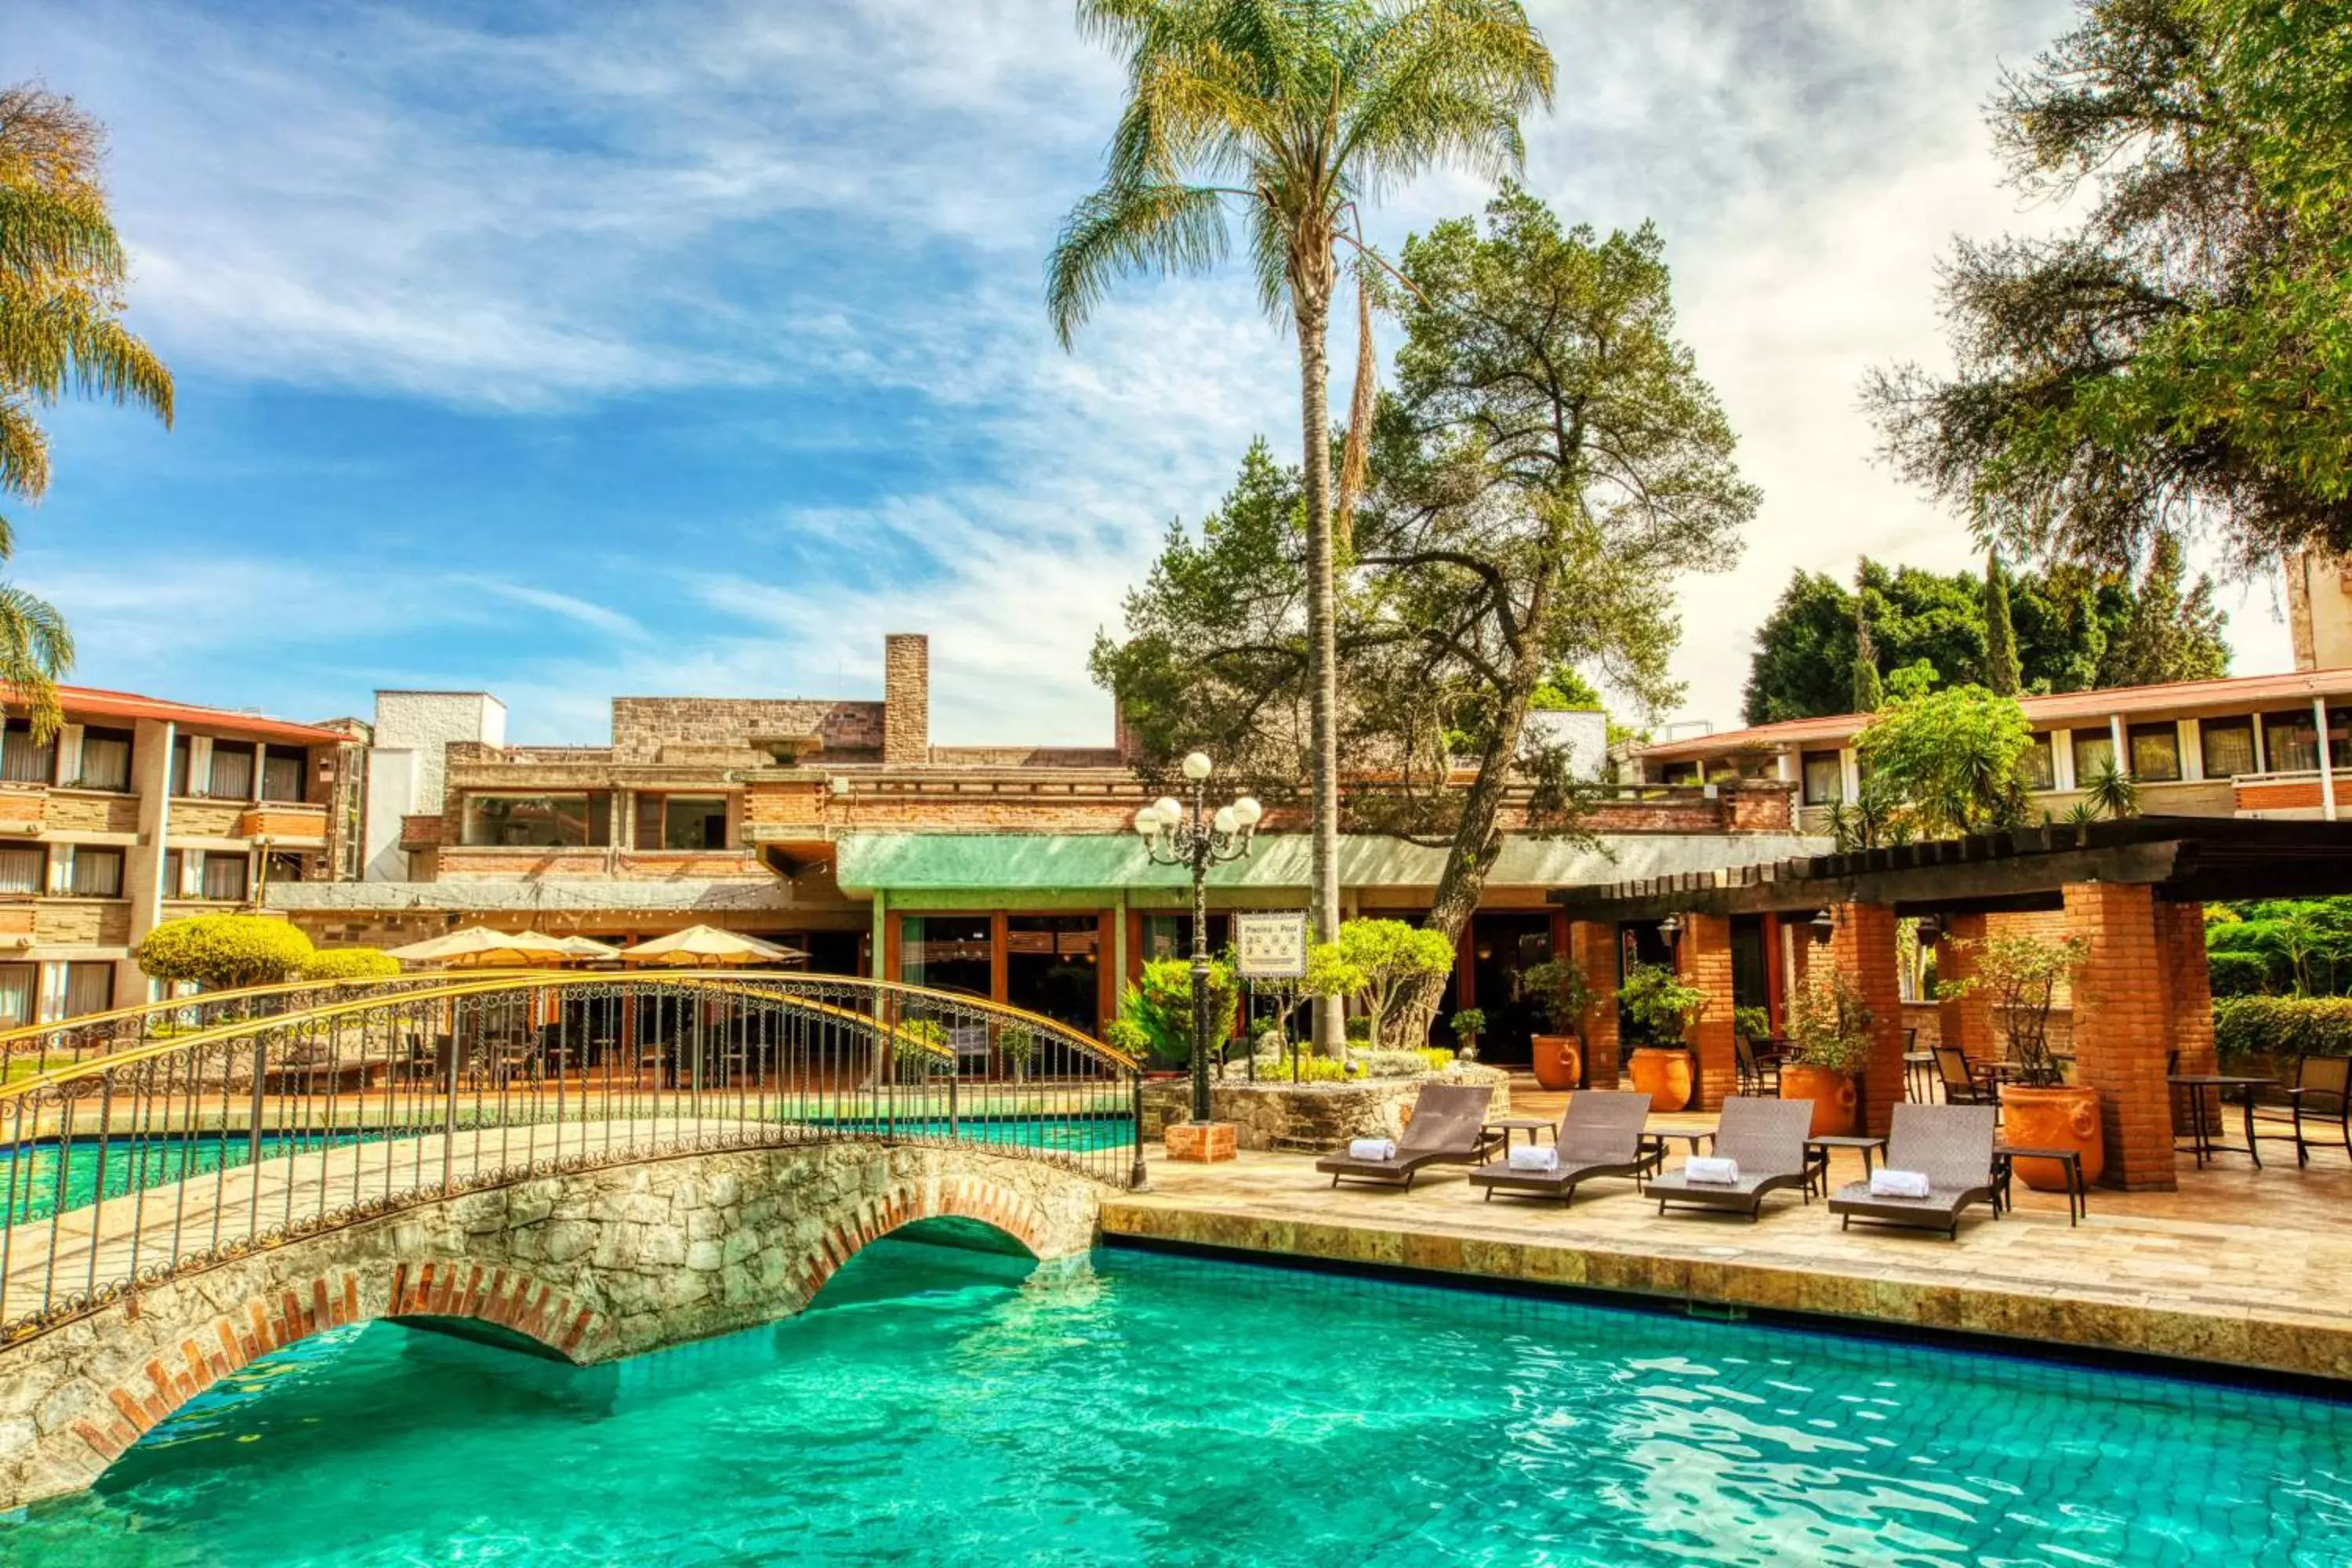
[223,1341]
[944,1196]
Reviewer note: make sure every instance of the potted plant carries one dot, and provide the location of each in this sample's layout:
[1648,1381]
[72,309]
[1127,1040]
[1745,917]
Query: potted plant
[1829,1028]
[2039,1108]
[1467,1026]
[1559,995]
[1664,1008]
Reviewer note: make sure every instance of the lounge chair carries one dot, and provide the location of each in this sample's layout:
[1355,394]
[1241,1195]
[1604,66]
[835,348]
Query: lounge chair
[1951,1146]
[1449,1124]
[1601,1135]
[1766,1137]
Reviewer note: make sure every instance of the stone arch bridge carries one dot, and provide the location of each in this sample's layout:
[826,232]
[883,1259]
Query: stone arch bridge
[602,1164]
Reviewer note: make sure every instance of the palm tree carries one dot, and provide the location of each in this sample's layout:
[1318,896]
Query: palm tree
[1297,112]
[61,279]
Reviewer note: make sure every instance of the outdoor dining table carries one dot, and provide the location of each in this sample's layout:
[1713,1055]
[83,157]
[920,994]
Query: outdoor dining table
[2202,1141]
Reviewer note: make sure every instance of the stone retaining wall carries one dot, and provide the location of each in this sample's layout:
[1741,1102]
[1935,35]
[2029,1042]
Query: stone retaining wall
[1282,1115]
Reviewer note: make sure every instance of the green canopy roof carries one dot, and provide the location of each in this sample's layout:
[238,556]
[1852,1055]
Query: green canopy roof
[893,863]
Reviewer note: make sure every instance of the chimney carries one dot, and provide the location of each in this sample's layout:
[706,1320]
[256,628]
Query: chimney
[906,699]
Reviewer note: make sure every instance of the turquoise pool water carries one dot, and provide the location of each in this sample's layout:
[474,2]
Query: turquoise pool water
[933,1410]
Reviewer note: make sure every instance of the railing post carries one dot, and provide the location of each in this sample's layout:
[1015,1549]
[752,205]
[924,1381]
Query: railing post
[954,1123]
[253,1133]
[449,1098]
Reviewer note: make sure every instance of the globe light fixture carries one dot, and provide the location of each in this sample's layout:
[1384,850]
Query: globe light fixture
[1197,767]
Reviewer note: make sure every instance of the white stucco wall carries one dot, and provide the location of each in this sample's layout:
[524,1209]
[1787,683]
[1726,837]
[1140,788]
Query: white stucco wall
[409,768]
[1586,734]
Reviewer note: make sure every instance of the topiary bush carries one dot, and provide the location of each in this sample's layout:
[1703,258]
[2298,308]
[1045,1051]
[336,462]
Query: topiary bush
[222,952]
[2284,1026]
[349,964]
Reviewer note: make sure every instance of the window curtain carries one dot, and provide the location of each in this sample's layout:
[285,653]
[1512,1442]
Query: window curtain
[281,777]
[225,877]
[97,873]
[105,760]
[23,869]
[19,985]
[232,772]
[21,761]
[89,988]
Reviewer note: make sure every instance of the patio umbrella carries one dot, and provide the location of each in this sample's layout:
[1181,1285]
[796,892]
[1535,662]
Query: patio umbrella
[708,946]
[481,947]
[588,947]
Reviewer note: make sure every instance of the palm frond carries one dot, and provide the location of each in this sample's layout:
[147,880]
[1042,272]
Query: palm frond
[1445,82]
[24,450]
[51,235]
[1170,229]
[71,342]
[36,647]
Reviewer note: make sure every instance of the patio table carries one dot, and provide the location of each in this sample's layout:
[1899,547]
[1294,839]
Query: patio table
[2202,1141]
[2078,1192]
[1869,1145]
[1507,1125]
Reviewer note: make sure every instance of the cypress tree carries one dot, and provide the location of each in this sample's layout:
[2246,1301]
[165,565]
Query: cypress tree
[2002,673]
[1869,691]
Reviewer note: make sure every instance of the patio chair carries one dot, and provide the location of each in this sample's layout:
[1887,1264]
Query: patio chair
[1449,1124]
[1601,1135]
[1966,1082]
[1951,1146]
[2321,1096]
[1759,1071]
[1766,1138]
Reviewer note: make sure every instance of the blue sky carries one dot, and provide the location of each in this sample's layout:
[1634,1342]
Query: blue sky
[571,350]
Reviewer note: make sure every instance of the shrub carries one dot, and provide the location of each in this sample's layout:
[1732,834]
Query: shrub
[2238,974]
[1360,1030]
[1161,1004]
[222,952]
[2283,1026]
[349,964]
[1559,993]
[1128,1038]
[1660,1003]
[1378,962]
[1467,1024]
[1752,1024]
[1019,1047]
[1830,1023]
[919,1045]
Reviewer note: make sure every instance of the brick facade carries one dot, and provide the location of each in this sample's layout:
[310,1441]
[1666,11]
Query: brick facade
[2122,1026]
[1964,1020]
[1592,948]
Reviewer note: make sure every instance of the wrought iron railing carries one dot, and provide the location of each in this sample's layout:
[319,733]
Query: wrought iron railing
[30,1049]
[139,1163]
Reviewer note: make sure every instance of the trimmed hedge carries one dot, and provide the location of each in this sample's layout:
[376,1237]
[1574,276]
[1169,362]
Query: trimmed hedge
[2283,1026]
[351,963]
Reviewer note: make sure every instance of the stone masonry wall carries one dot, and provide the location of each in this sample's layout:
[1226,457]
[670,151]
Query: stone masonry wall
[1320,1116]
[642,726]
[906,699]
[594,1265]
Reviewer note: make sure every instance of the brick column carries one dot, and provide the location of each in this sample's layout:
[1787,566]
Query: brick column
[1965,1021]
[2122,1026]
[1704,958]
[1592,948]
[1863,946]
[2188,998]
[906,699]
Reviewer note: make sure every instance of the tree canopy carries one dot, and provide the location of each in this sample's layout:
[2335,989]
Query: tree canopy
[2071,629]
[1948,761]
[2176,360]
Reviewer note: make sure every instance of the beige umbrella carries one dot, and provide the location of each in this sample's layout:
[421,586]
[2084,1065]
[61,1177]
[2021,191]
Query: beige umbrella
[699,947]
[483,948]
[588,947]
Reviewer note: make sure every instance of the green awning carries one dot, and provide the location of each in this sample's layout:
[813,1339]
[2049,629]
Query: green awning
[894,863]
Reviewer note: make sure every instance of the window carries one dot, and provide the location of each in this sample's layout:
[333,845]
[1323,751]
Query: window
[21,761]
[172,873]
[24,868]
[105,760]
[2040,768]
[226,875]
[19,985]
[89,988]
[1824,778]
[1680,773]
[281,775]
[682,822]
[283,866]
[2155,753]
[539,821]
[231,777]
[2227,746]
[947,953]
[2095,752]
[2292,741]
[96,873]
[1170,936]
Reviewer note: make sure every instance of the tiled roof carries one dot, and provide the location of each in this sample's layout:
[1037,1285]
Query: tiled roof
[2185,699]
[81,702]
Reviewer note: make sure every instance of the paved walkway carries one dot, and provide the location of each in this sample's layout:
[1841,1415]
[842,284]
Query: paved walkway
[2248,1268]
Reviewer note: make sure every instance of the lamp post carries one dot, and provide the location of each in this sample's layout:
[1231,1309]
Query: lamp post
[1171,839]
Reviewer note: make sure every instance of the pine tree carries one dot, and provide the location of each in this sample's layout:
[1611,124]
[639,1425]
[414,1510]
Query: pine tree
[1869,691]
[2173,632]
[2002,673]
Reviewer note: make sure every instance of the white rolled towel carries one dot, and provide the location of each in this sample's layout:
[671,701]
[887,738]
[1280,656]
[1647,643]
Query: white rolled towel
[1711,1171]
[1371,1149]
[1535,1157]
[1886,1184]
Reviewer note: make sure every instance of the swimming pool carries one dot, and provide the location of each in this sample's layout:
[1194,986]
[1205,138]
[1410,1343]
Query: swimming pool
[933,1409]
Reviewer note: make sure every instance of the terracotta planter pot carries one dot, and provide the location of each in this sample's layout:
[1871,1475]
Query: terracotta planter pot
[1834,1101]
[1559,1060]
[2062,1118]
[1663,1073]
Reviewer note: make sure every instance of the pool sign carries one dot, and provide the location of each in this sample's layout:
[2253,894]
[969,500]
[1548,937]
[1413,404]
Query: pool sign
[1271,945]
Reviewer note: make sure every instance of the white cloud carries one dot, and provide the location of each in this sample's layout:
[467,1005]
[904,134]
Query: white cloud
[595,616]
